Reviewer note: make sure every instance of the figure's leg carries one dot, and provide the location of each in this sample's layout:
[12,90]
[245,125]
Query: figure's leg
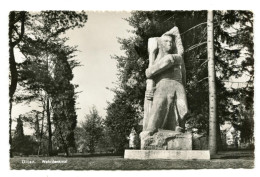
[147,109]
[181,105]
[170,120]
[157,115]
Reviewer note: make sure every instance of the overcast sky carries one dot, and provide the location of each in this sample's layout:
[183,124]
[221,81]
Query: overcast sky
[97,41]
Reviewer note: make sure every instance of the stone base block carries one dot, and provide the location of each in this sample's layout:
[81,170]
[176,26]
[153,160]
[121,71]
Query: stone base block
[168,154]
[166,140]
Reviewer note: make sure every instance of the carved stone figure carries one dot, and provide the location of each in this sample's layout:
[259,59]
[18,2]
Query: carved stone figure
[165,103]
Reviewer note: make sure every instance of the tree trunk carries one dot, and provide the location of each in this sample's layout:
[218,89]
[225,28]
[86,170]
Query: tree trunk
[66,148]
[218,137]
[12,64]
[13,77]
[37,131]
[49,127]
[10,128]
[13,19]
[12,88]
[37,127]
[212,88]
[41,133]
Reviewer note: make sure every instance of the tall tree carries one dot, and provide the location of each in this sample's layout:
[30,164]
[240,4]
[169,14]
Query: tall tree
[80,139]
[16,33]
[234,57]
[35,119]
[64,116]
[93,126]
[18,136]
[19,128]
[22,144]
[121,117]
[41,44]
[212,87]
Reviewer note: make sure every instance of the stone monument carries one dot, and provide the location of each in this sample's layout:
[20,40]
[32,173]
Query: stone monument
[165,102]
[165,105]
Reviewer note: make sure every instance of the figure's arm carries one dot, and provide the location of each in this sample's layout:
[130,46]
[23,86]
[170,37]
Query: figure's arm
[180,50]
[152,49]
[175,32]
[163,64]
[169,60]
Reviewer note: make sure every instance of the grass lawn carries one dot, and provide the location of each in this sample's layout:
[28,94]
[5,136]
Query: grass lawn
[119,163]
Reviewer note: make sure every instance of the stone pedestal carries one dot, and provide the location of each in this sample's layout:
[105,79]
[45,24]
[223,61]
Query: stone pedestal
[166,144]
[168,154]
[166,140]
